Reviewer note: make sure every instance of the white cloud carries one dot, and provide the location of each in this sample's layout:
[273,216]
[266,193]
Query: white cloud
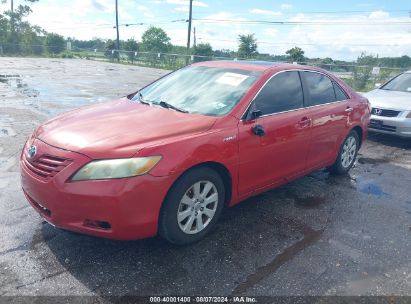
[286,6]
[271,32]
[341,41]
[258,11]
[379,15]
[348,41]
[184,2]
[182,9]
[102,5]
[142,8]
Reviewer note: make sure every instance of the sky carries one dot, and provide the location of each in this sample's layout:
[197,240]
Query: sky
[336,29]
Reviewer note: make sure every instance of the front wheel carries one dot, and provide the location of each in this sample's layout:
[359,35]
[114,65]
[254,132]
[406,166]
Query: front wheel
[347,155]
[192,206]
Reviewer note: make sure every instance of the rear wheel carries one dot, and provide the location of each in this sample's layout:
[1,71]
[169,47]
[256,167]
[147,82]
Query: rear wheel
[192,206]
[347,155]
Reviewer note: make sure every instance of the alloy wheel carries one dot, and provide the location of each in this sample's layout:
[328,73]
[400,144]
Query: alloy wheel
[348,152]
[197,207]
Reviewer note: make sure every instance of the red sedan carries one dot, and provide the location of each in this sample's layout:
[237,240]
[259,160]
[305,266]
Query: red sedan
[169,157]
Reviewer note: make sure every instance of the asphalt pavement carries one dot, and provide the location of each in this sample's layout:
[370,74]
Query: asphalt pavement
[319,235]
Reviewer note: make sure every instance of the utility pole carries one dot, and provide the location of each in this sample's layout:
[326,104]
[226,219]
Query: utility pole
[190,17]
[12,15]
[194,40]
[118,34]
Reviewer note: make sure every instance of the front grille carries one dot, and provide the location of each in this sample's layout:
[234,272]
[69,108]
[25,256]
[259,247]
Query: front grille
[46,166]
[375,124]
[384,112]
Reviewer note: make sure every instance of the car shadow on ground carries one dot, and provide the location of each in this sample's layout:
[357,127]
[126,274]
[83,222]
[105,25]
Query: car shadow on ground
[390,140]
[247,236]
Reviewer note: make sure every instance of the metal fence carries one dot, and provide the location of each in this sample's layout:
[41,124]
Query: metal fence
[361,78]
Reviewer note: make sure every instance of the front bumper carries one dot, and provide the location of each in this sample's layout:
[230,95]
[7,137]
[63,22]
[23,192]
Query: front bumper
[400,126]
[128,207]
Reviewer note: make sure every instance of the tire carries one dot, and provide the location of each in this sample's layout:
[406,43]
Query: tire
[192,206]
[347,154]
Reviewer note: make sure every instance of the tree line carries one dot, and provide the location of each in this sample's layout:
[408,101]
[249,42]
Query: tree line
[19,37]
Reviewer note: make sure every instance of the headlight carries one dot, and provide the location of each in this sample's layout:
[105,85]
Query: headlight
[116,168]
[409,115]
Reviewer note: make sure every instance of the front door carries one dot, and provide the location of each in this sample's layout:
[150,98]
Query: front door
[278,152]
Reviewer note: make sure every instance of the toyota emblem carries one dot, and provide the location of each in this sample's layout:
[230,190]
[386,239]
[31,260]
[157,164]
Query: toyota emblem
[32,151]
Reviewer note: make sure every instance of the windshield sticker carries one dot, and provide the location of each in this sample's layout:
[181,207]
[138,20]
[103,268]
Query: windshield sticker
[231,79]
[219,105]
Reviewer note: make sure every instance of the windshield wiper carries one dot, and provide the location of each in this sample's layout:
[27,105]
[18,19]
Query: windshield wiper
[163,104]
[142,100]
[166,105]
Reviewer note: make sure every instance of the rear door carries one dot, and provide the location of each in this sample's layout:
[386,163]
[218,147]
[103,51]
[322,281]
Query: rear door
[281,152]
[330,112]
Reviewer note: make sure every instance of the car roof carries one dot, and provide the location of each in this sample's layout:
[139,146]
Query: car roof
[254,65]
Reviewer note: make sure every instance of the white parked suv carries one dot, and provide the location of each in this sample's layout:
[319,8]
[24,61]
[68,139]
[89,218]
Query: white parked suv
[391,106]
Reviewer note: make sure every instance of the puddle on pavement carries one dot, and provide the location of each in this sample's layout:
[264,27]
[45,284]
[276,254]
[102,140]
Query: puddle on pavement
[370,186]
[6,123]
[6,131]
[51,97]
[308,202]
[372,161]
[17,84]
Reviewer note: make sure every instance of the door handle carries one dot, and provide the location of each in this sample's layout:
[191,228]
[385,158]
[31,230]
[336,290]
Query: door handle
[258,130]
[304,122]
[349,110]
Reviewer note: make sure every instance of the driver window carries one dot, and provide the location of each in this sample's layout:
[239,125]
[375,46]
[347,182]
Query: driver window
[281,93]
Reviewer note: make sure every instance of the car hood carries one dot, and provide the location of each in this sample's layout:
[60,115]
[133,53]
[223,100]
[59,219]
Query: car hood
[119,128]
[395,100]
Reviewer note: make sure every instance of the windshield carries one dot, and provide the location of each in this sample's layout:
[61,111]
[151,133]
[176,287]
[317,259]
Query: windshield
[198,89]
[400,83]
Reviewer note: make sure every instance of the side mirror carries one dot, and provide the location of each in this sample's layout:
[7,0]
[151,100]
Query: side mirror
[377,85]
[256,113]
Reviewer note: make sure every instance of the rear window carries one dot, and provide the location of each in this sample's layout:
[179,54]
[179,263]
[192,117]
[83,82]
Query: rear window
[320,88]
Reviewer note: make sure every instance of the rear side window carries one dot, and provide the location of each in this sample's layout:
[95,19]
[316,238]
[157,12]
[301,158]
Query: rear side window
[281,93]
[339,93]
[320,88]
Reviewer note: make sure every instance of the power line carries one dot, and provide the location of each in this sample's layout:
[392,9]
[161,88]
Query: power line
[264,22]
[355,11]
[318,12]
[306,44]
[151,23]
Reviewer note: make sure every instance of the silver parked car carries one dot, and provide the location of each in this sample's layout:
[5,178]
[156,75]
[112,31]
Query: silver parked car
[391,106]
